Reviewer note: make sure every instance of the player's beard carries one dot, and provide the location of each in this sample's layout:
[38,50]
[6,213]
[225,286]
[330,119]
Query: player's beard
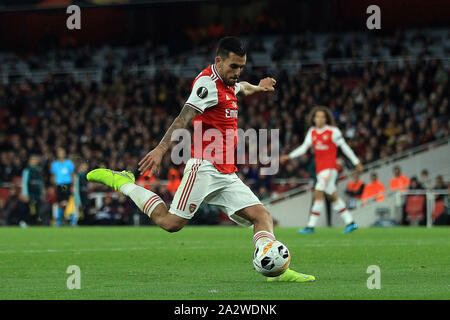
[232,82]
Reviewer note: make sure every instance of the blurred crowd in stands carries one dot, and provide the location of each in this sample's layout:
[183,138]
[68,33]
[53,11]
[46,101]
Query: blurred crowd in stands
[414,208]
[383,108]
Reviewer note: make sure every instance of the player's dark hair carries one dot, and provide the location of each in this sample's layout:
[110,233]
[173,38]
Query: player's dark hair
[230,44]
[328,115]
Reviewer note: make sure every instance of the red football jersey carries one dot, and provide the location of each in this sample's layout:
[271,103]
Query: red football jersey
[325,148]
[325,142]
[215,128]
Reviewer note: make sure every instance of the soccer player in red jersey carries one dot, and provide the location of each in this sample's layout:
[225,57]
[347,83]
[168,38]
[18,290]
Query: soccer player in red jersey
[325,138]
[209,174]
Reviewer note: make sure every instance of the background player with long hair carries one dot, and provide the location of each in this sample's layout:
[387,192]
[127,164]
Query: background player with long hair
[325,137]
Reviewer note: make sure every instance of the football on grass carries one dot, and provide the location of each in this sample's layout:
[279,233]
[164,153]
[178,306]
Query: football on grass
[271,259]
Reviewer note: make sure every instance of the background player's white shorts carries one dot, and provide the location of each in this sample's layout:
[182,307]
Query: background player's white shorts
[326,181]
[203,182]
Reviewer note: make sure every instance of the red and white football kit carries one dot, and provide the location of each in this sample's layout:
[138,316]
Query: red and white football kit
[325,142]
[210,173]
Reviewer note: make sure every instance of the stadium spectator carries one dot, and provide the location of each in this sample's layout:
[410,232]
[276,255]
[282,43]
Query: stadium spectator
[62,170]
[441,212]
[399,182]
[173,178]
[107,212]
[373,190]
[415,205]
[440,185]
[147,181]
[425,180]
[124,210]
[354,190]
[33,191]
[16,211]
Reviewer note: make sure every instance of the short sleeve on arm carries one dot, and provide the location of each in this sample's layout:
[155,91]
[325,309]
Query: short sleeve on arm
[203,94]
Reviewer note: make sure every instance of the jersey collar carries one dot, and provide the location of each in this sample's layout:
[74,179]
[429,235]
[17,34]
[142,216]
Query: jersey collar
[214,70]
[319,131]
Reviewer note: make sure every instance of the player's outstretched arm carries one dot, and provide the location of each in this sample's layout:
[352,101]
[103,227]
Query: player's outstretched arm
[265,85]
[152,160]
[300,150]
[348,152]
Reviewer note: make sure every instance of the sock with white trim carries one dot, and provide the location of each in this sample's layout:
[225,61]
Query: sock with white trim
[144,199]
[339,207]
[262,237]
[316,210]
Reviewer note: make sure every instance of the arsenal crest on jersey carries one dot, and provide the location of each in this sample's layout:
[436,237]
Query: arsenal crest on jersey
[192,207]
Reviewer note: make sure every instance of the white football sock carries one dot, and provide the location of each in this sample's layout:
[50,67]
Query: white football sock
[339,207]
[316,210]
[144,199]
[262,237]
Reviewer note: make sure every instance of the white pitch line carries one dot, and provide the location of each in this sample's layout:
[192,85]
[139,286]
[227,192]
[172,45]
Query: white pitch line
[196,247]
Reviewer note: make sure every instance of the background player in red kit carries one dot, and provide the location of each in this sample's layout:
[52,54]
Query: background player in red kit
[325,137]
[210,174]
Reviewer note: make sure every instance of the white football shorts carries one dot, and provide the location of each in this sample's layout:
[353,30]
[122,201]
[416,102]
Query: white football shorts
[203,182]
[326,181]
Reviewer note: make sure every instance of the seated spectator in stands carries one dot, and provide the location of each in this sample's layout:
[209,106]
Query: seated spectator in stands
[16,211]
[425,179]
[373,190]
[354,190]
[441,211]
[124,210]
[415,184]
[173,181]
[399,182]
[415,205]
[106,214]
[440,185]
[147,182]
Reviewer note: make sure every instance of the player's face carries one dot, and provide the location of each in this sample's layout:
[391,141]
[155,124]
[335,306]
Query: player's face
[230,68]
[320,119]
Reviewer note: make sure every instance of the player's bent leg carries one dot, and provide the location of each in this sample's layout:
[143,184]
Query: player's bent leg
[261,218]
[147,201]
[166,220]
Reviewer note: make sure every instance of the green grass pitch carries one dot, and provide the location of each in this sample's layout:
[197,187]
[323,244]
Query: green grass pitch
[215,263]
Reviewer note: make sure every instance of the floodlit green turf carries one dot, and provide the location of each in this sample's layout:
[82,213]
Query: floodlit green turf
[215,263]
